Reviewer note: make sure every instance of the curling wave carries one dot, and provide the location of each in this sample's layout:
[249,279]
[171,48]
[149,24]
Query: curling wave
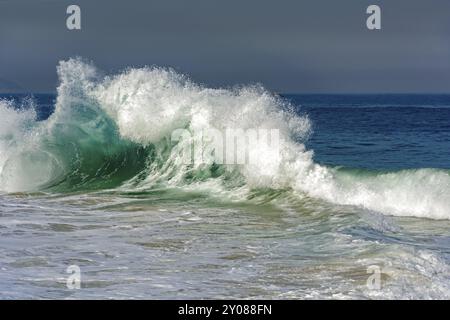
[114,131]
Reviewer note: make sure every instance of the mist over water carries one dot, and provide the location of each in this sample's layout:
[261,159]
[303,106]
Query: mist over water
[99,183]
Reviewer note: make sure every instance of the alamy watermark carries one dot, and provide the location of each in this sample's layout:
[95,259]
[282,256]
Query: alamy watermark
[73,21]
[375,280]
[73,282]
[230,146]
[373,22]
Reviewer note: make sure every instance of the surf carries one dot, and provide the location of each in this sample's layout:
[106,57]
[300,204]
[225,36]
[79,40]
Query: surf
[114,132]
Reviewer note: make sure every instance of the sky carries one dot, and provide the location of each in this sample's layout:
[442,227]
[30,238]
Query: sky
[299,46]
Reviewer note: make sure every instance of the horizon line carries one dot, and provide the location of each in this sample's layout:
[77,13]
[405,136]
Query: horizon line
[276,92]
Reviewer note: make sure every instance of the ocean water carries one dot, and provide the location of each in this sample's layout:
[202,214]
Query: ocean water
[358,190]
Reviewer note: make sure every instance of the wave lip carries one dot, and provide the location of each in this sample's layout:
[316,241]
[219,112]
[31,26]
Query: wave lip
[116,131]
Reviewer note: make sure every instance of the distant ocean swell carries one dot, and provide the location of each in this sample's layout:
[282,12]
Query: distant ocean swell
[115,132]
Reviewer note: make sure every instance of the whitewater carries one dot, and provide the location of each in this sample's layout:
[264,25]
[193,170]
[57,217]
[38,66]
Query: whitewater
[101,184]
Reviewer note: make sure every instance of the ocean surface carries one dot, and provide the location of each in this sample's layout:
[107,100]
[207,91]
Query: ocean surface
[354,205]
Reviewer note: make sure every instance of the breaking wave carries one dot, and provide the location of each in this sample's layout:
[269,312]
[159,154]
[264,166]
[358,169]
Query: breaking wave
[115,132]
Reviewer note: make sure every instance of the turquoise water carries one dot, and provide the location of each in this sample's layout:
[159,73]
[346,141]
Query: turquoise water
[89,177]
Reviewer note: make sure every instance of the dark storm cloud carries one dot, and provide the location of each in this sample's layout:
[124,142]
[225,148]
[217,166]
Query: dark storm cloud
[289,46]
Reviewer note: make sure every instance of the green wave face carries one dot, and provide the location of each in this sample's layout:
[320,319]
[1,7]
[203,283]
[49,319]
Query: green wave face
[78,148]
